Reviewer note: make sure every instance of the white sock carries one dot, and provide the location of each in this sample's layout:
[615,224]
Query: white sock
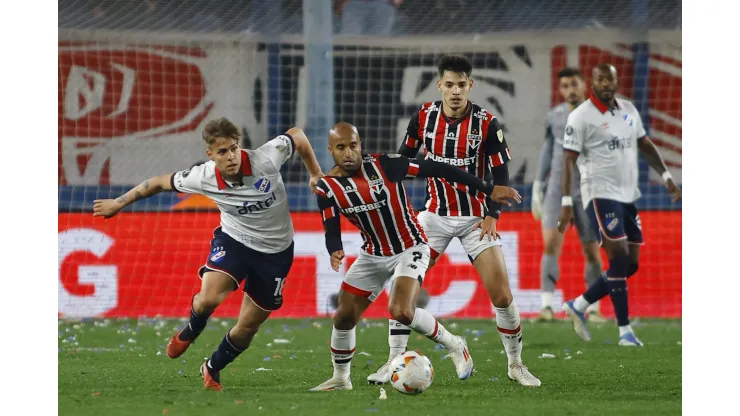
[510,330]
[593,308]
[425,324]
[580,304]
[546,300]
[624,330]
[342,351]
[398,338]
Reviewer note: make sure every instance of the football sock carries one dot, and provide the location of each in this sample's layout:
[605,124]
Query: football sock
[342,350]
[398,337]
[425,324]
[196,325]
[225,354]
[510,330]
[549,275]
[619,269]
[624,330]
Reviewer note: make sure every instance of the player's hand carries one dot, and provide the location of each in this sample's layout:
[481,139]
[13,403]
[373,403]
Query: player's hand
[314,181]
[503,194]
[106,207]
[537,200]
[336,259]
[673,189]
[487,228]
[566,218]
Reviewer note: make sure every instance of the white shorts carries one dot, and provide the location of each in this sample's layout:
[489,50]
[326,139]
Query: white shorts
[368,274]
[441,230]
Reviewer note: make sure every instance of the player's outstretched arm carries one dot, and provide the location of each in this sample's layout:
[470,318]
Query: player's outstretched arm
[648,149]
[498,193]
[152,186]
[305,152]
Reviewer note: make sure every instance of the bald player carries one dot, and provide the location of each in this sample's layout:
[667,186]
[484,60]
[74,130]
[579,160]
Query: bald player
[254,242]
[546,207]
[603,136]
[368,190]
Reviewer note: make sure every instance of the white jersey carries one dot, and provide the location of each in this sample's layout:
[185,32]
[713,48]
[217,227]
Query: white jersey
[606,141]
[255,211]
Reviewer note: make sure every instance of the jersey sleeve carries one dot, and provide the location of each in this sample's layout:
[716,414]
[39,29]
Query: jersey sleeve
[329,217]
[575,133]
[496,148]
[399,167]
[640,128]
[412,141]
[189,180]
[278,150]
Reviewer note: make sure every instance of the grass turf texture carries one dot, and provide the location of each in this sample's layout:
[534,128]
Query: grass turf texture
[119,367]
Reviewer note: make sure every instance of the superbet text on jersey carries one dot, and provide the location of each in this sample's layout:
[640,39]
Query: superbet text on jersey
[469,142]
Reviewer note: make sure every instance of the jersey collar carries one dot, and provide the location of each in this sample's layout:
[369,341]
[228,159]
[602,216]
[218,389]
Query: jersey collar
[455,121]
[246,168]
[601,106]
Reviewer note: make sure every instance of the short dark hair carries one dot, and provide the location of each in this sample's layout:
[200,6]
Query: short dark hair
[568,72]
[454,63]
[220,127]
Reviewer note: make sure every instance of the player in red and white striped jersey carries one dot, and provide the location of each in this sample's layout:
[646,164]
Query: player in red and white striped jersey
[368,190]
[459,132]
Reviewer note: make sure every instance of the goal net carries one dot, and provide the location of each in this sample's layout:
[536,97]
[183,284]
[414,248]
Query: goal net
[138,81]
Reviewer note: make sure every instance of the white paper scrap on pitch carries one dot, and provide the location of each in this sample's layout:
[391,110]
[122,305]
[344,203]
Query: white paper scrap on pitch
[281,341]
[546,355]
[263,369]
[382,394]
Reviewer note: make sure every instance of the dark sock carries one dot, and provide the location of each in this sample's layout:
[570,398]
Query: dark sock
[597,290]
[195,327]
[225,354]
[618,293]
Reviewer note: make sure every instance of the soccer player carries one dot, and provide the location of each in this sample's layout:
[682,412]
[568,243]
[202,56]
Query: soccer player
[547,207]
[458,132]
[254,242]
[368,190]
[603,136]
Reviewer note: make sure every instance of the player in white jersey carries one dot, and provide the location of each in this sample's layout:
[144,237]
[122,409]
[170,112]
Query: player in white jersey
[546,206]
[458,132]
[254,242]
[603,136]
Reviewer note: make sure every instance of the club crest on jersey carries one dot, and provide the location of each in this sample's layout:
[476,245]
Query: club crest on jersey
[627,119]
[263,185]
[376,184]
[474,139]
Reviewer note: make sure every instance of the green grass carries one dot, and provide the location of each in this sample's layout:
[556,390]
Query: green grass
[119,367]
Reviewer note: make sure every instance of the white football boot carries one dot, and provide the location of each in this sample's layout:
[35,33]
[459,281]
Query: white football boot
[520,373]
[334,383]
[579,321]
[461,358]
[382,376]
[630,340]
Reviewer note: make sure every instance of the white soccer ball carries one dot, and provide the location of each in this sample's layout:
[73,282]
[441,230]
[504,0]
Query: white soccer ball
[411,373]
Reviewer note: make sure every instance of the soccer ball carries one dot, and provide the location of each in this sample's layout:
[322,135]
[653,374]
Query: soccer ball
[411,373]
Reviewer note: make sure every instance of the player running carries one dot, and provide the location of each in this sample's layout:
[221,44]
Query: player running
[547,207]
[461,133]
[603,136]
[368,190]
[254,242]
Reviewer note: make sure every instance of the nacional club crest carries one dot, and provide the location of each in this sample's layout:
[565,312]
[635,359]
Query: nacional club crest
[263,185]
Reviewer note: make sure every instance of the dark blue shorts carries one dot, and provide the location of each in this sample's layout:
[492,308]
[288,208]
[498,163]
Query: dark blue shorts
[615,220]
[264,274]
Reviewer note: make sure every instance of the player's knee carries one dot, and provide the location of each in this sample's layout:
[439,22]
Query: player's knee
[344,319]
[402,313]
[552,248]
[633,269]
[243,330]
[206,302]
[502,299]
[619,266]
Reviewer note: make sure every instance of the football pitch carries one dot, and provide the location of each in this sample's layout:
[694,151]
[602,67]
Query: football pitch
[119,367]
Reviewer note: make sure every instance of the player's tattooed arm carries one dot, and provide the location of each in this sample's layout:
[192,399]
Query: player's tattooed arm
[110,207]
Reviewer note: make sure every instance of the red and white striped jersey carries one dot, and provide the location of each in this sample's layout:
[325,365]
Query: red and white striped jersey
[374,200]
[474,142]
